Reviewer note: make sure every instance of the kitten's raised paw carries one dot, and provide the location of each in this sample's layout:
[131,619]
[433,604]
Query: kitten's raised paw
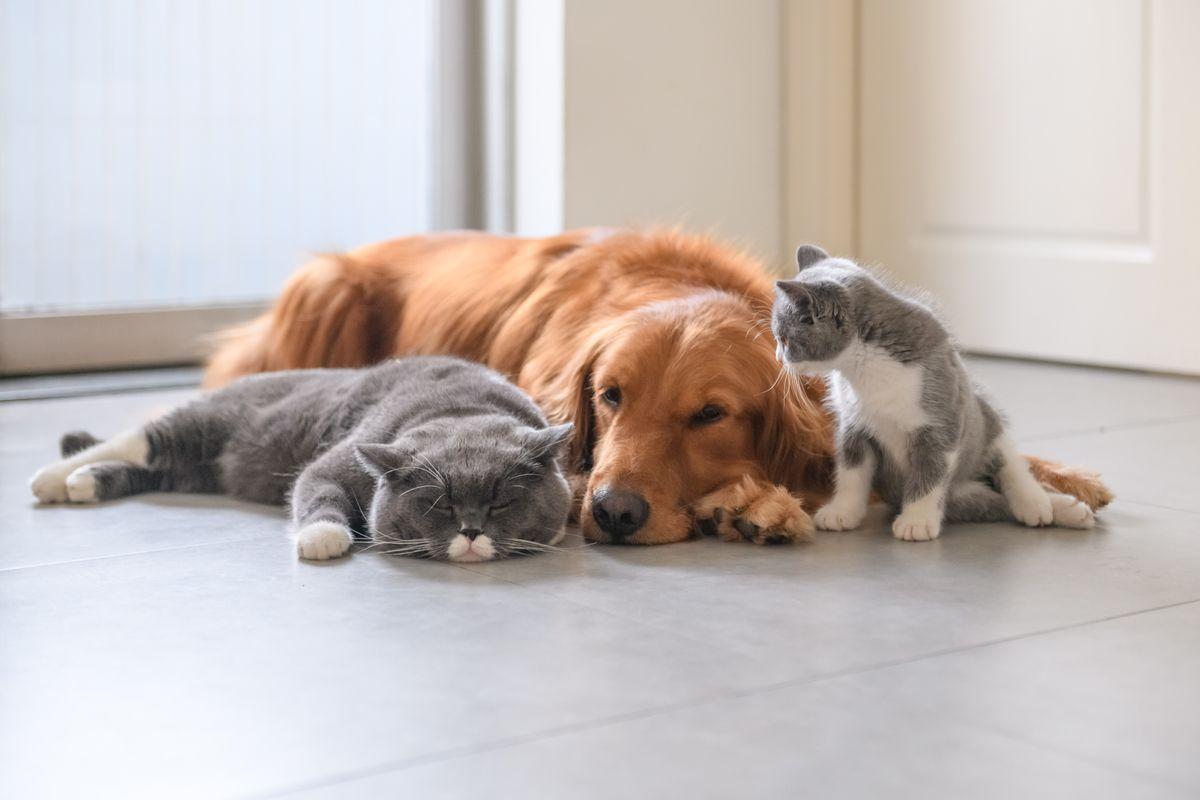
[81,485]
[755,512]
[1070,512]
[321,541]
[834,516]
[1032,507]
[49,484]
[916,527]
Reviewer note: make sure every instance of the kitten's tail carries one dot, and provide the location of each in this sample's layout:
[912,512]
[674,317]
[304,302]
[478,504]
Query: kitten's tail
[336,311]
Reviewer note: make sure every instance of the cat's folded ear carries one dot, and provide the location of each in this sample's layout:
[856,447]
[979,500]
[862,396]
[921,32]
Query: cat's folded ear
[809,254]
[546,444]
[384,459]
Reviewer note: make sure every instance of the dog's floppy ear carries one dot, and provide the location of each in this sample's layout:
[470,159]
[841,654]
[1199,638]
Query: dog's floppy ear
[564,392]
[794,434]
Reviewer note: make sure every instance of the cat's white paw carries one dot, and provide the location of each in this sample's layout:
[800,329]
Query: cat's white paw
[835,516]
[916,526]
[1031,506]
[81,485]
[1070,512]
[49,484]
[321,541]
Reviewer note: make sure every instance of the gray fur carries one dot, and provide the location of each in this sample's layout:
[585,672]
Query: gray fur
[413,450]
[833,308]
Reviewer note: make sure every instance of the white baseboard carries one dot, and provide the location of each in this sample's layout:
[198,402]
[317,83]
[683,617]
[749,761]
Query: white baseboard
[42,343]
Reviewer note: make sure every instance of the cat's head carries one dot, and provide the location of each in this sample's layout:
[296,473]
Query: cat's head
[478,493]
[811,318]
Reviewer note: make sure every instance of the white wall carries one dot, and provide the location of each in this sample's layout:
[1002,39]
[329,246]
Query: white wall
[538,100]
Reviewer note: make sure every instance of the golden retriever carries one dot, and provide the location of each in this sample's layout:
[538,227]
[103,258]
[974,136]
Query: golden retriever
[655,344]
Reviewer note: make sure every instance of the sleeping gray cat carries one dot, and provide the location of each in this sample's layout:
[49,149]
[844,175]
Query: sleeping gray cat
[435,457]
[909,423]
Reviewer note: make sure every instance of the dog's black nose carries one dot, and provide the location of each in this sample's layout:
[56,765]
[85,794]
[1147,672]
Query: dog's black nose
[619,512]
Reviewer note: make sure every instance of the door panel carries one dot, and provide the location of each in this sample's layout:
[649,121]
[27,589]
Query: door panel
[1028,163]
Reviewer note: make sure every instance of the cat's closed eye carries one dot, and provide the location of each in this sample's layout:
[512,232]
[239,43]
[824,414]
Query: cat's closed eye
[806,319]
[443,505]
[498,508]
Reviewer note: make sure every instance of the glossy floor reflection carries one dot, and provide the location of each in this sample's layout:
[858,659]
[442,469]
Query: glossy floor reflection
[171,646]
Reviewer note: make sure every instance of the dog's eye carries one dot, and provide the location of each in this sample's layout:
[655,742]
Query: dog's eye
[612,396]
[710,413]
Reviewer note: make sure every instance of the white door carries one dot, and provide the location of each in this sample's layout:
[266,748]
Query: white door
[1036,165]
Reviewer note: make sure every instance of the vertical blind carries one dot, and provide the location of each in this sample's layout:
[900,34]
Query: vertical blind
[191,152]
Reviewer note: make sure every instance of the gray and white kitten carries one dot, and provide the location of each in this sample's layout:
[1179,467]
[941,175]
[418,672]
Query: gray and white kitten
[427,456]
[910,425]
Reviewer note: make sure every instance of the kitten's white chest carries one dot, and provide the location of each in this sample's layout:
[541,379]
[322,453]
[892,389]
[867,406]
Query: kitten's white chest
[879,393]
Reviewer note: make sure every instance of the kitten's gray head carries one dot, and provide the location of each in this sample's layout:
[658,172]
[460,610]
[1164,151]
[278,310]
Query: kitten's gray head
[811,318]
[477,492]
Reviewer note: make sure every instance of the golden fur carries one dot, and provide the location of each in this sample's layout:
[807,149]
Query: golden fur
[676,322]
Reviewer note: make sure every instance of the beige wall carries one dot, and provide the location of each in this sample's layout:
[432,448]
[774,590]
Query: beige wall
[688,112]
[673,114]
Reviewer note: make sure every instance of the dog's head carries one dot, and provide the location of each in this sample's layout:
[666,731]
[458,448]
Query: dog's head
[672,401]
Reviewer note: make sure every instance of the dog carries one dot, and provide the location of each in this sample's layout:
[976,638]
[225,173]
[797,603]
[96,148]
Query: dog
[656,344]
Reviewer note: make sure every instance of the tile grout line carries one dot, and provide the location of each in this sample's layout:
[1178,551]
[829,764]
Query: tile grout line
[717,697]
[149,552]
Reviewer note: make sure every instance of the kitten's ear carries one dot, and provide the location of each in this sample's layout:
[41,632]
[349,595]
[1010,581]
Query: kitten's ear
[809,254]
[828,301]
[795,290]
[383,459]
[547,444]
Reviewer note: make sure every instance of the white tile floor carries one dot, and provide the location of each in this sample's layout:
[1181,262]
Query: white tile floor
[170,646]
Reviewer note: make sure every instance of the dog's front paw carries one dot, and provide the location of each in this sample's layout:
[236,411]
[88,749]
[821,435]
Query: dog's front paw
[1031,506]
[835,516]
[754,512]
[49,484]
[916,526]
[1071,513]
[321,541]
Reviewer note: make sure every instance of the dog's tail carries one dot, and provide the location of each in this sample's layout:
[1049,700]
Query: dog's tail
[1081,483]
[336,311]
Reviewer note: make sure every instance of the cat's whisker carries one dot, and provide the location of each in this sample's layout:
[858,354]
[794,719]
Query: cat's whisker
[415,488]
[434,503]
[427,464]
[362,513]
[778,378]
[397,546]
